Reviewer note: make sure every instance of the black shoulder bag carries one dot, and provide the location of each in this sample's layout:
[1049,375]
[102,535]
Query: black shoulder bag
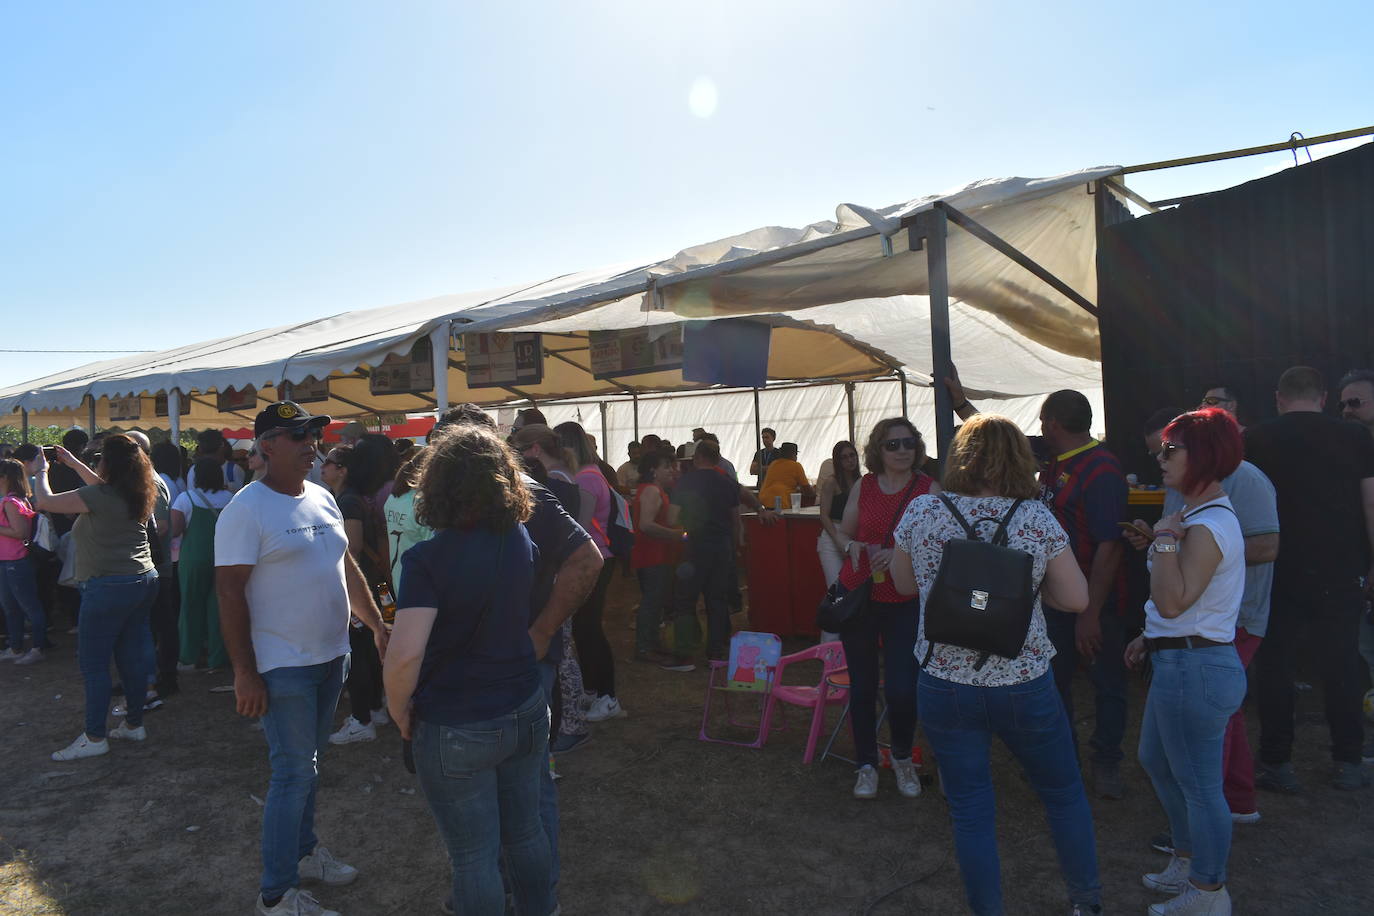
[983,595]
[841,606]
[407,748]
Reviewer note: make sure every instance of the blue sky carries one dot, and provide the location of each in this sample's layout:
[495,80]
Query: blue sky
[178,171]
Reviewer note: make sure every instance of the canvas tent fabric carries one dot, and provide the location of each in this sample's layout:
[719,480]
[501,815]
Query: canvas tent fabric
[843,305]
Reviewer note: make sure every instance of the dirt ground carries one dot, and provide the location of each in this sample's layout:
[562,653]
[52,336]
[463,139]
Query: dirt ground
[653,820]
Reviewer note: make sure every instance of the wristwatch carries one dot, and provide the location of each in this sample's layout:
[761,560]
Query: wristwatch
[1164,548]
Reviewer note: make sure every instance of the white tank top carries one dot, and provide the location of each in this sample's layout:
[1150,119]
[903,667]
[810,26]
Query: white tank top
[1213,615]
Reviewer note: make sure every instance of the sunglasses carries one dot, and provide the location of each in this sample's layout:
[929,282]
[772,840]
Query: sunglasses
[1167,450]
[1351,403]
[297,435]
[1213,401]
[906,444]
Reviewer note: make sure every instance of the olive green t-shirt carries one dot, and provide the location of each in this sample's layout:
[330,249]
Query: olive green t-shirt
[107,541]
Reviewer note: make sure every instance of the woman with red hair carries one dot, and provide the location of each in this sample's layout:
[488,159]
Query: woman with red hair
[1197,581]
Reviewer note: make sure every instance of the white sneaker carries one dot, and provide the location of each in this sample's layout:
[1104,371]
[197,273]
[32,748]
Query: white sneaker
[185,669]
[866,783]
[82,747]
[908,781]
[321,865]
[1174,878]
[28,658]
[1195,902]
[353,731]
[10,655]
[604,708]
[380,718]
[123,731]
[294,902]
[1251,817]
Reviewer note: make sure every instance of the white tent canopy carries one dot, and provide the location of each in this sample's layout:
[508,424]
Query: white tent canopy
[846,300]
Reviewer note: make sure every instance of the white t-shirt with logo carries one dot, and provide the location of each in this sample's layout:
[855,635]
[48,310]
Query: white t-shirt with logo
[297,596]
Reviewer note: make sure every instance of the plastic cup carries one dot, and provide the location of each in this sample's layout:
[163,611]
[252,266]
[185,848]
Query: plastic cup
[872,551]
[796,501]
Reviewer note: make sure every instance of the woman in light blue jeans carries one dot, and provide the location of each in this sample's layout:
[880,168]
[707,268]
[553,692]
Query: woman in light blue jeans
[462,681]
[1197,582]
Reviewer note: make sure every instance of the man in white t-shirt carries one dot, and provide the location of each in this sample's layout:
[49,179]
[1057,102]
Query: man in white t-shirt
[286,584]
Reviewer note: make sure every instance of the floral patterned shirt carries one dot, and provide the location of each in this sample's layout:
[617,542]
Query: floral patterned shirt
[922,533]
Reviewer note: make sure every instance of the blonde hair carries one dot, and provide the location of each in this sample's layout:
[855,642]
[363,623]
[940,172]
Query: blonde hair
[989,452]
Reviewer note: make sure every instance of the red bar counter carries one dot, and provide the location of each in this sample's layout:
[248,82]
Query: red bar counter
[785,578]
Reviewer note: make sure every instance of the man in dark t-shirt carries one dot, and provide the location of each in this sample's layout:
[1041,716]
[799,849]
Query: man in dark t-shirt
[1323,474]
[708,502]
[1084,485]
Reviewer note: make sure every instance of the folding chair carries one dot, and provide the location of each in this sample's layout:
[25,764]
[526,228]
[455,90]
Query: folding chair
[750,671]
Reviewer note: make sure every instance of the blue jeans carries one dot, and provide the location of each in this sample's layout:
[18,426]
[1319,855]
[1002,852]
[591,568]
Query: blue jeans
[895,625]
[656,587]
[19,598]
[1029,718]
[1193,692]
[1107,673]
[114,619]
[481,781]
[300,711]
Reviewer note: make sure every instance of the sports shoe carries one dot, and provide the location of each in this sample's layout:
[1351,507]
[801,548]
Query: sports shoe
[1173,879]
[908,782]
[28,658]
[1278,778]
[184,668]
[678,663]
[124,732]
[1249,817]
[1162,842]
[604,708]
[82,747]
[1345,776]
[1106,778]
[566,744]
[321,865]
[10,655]
[866,782]
[353,731]
[1195,902]
[150,704]
[380,717]
[294,902]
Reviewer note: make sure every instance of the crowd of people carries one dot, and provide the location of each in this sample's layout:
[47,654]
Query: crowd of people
[457,589]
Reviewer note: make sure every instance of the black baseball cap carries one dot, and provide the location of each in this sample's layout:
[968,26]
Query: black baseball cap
[285,415]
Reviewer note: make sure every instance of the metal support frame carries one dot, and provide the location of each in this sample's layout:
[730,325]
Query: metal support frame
[758,425]
[634,400]
[605,435]
[849,403]
[174,415]
[90,403]
[439,340]
[1290,144]
[901,378]
[24,424]
[929,231]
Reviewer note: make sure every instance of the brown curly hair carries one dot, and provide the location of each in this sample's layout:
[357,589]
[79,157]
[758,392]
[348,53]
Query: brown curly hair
[471,478]
[873,448]
[125,467]
[989,452]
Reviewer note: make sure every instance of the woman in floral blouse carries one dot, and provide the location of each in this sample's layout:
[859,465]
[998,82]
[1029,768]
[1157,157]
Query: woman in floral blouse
[990,467]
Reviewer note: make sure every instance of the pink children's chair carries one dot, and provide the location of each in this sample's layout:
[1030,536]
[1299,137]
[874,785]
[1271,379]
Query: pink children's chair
[816,698]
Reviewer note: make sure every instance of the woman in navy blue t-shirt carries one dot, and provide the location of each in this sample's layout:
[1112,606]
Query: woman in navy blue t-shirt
[460,672]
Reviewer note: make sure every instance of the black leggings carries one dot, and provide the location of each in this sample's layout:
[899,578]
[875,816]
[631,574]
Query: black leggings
[364,675]
[593,649]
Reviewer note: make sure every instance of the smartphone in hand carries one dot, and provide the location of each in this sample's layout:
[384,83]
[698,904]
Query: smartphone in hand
[1141,530]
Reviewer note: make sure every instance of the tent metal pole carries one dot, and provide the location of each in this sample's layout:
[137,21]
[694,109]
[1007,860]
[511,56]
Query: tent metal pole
[605,439]
[849,402]
[930,232]
[634,399]
[24,424]
[438,346]
[90,402]
[758,424]
[1290,144]
[901,380]
[174,415]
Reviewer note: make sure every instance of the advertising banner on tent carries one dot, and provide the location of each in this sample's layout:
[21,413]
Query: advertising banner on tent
[122,409]
[412,373]
[731,352]
[160,405]
[494,360]
[245,398]
[633,351]
[309,391]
